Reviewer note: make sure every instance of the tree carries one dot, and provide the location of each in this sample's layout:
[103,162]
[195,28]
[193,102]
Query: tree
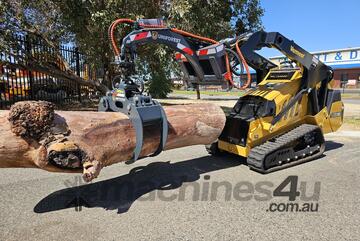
[29,20]
[216,19]
[85,24]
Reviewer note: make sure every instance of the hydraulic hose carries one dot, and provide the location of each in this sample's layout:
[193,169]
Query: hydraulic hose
[248,81]
[111,32]
[238,61]
[228,75]
[182,32]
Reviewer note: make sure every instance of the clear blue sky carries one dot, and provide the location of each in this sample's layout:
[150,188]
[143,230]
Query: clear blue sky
[314,24]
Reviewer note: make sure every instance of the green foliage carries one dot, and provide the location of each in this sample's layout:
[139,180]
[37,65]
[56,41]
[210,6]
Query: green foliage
[154,68]
[216,18]
[41,18]
[159,85]
[85,24]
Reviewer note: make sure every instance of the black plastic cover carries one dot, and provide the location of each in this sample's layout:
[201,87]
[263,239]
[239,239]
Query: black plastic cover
[235,131]
[249,107]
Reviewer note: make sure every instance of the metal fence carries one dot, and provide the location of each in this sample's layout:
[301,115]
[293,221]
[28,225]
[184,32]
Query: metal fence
[19,83]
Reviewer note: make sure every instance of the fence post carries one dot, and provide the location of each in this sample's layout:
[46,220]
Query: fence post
[77,56]
[31,78]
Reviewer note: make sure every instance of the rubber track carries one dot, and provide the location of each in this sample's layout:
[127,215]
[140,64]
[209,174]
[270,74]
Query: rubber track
[258,154]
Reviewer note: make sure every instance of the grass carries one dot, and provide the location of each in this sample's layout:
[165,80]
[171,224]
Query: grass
[352,120]
[240,93]
[209,92]
[350,96]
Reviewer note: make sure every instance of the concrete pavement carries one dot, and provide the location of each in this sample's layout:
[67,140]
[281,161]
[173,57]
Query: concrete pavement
[37,205]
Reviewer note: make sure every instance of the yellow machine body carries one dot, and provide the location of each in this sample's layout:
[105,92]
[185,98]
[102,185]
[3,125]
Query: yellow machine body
[329,119]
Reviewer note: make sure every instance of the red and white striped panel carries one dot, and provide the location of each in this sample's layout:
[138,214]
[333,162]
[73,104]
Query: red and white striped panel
[207,51]
[185,49]
[179,56]
[140,36]
[201,52]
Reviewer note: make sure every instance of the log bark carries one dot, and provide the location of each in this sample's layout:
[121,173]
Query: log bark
[32,134]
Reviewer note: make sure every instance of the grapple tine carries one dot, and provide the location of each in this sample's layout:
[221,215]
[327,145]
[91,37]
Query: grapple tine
[137,123]
[165,128]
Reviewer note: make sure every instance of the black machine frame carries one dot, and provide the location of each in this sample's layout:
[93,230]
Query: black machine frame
[314,71]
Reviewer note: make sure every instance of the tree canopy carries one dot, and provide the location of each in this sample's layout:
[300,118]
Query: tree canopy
[85,23]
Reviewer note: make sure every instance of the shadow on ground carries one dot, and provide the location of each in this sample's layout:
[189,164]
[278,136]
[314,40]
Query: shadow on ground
[332,145]
[120,192]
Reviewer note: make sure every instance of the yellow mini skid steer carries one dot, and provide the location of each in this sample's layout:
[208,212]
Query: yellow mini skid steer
[281,122]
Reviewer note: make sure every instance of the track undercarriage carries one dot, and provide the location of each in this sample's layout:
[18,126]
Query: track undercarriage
[302,144]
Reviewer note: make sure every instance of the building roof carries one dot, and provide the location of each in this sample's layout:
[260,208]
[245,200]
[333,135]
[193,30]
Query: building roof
[324,51]
[346,58]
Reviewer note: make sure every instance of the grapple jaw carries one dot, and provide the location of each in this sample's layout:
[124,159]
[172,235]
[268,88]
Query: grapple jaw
[142,111]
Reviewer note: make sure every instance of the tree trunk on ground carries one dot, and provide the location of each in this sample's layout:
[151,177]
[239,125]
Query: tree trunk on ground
[32,134]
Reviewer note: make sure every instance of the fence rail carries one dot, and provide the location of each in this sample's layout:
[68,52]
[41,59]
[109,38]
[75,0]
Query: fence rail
[19,83]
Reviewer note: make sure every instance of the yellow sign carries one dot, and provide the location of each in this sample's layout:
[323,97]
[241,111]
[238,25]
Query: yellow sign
[297,52]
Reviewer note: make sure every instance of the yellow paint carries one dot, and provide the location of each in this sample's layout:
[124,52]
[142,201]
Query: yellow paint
[235,149]
[322,119]
[336,115]
[281,92]
[297,52]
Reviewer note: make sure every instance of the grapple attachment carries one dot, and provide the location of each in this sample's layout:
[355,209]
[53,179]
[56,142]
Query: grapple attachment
[211,61]
[143,111]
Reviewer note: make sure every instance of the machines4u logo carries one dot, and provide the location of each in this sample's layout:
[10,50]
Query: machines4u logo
[288,196]
[291,189]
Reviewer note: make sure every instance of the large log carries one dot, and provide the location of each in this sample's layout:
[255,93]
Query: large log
[32,134]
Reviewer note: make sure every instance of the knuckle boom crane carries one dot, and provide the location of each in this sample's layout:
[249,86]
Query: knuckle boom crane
[277,124]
